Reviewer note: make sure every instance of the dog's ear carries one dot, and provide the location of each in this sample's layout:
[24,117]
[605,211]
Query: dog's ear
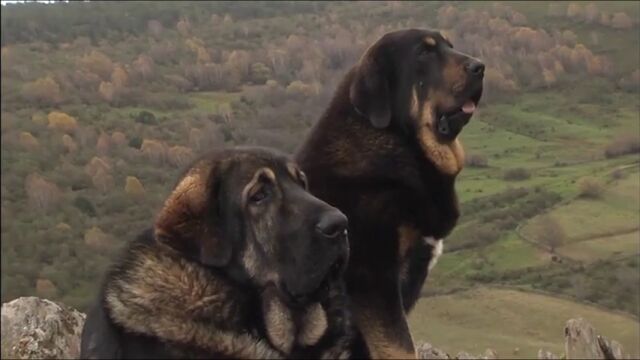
[369,91]
[189,221]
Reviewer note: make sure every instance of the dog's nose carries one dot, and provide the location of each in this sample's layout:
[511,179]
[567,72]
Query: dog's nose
[474,67]
[332,224]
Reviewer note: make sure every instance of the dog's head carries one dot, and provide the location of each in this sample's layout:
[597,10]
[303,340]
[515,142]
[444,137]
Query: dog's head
[414,80]
[247,210]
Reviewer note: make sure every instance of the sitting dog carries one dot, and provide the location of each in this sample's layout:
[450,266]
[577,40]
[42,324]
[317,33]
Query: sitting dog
[242,262]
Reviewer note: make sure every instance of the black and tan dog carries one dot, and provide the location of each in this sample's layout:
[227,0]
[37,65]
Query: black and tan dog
[242,262]
[386,153]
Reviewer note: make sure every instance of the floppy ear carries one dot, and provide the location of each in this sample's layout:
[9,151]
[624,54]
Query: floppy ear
[187,221]
[369,91]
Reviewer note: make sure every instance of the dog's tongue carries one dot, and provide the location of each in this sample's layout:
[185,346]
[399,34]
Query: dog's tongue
[469,107]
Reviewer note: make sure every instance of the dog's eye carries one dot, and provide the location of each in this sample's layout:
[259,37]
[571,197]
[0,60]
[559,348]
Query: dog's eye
[259,196]
[426,50]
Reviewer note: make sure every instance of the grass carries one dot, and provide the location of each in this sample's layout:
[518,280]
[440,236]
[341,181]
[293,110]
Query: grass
[603,247]
[583,219]
[504,319]
[213,102]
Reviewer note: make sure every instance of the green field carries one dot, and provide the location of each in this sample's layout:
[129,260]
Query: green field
[504,320]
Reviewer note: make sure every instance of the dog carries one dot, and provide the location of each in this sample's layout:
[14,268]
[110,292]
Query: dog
[242,262]
[386,152]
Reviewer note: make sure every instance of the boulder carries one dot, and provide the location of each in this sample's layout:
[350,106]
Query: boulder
[34,328]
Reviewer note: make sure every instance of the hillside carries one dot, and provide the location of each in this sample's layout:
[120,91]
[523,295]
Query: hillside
[506,320]
[103,104]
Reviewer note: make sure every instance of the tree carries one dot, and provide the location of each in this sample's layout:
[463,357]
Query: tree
[589,187]
[61,121]
[119,77]
[96,238]
[107,91]
[28,141]
[102,180]
[621,20]
[575,11]
[43,91]
[134,187]
[97,63]
[69,144]
[591,13]
[46,289]
[103,145]
[144,65]
[118,138]
[97,164]
[155,28]
[179,156]
[42,194]
[154,150]
[549,232]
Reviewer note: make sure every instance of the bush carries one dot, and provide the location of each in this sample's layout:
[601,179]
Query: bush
[516,174]
[622,145]
[85,206]
[590,188]
[477,160]
[135,142]
[146,117]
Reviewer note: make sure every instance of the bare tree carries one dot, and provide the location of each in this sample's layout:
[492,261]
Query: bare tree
[549,232]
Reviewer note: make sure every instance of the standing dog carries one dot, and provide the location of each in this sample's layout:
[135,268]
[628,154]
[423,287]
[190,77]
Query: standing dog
[242,262]
[386,153]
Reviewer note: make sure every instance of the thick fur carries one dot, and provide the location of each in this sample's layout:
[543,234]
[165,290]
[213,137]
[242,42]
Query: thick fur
[188,288]
[376,155]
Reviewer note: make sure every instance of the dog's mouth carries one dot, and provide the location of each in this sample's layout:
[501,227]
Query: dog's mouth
[450,121]
[333,275]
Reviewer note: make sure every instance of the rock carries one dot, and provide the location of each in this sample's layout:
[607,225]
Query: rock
[616,349]
[34,328]
[490,354]
[427,351]
[464,355]
[546,354]
[580,340]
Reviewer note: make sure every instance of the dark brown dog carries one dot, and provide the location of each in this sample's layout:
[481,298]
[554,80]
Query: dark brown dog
[242,262]
[386,153]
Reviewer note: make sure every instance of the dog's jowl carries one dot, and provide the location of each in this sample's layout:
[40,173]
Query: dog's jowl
[242,262]
[386,152]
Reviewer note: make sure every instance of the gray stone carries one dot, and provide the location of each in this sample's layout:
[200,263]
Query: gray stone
[427,351]
[34,328]
[546,354]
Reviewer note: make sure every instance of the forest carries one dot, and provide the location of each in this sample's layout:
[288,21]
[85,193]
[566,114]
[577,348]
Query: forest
[104,103]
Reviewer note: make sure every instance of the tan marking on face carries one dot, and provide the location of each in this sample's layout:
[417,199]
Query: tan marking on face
[264,171]
[407,237]
[279,322]
[313,325]
[415,104]
[376,337]
[454,76]
[430,41]
[448,157]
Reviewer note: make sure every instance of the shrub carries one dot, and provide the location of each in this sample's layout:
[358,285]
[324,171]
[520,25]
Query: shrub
[477,160]
[590,188]
[622,145]
[516,174]
[135,142]
[146,117]
[85,206]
